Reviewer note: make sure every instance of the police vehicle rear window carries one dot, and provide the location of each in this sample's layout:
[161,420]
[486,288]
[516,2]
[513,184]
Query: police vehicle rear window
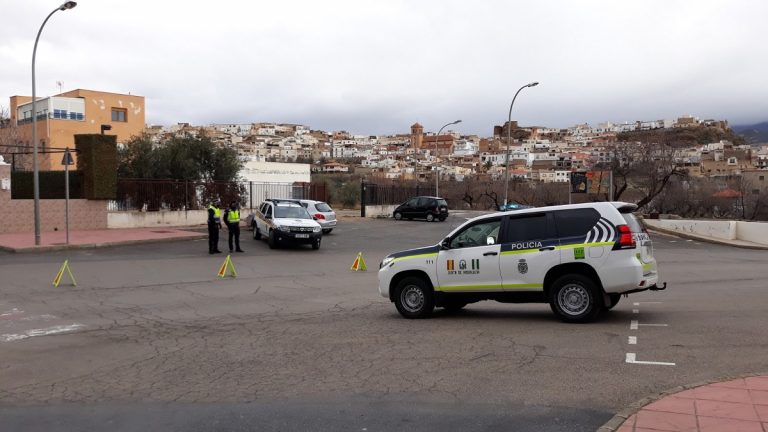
[576,222]
[633,223]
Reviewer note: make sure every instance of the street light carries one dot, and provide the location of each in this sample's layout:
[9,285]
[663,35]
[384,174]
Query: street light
[35,169]
[437,169]
[509,138]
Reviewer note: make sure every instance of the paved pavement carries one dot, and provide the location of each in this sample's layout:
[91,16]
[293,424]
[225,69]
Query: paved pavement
[298,342]
[56,240]
[729,406]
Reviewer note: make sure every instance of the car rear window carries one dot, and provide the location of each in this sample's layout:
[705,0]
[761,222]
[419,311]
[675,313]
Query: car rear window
[633,223]
[442,202]
[576,222]
[323,207]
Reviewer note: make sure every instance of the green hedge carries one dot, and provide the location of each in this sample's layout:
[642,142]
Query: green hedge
[97,159]
[51,185]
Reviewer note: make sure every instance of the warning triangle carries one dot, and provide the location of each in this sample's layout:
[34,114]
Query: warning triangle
[227,265]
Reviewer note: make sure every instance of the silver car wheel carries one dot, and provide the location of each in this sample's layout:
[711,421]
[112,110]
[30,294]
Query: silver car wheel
[412,298]
[573,299]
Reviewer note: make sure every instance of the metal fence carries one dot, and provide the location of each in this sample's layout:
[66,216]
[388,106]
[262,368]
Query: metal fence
[155,195]
[393,193]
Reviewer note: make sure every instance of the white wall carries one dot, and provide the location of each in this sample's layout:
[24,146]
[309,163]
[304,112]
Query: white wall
[137,219]
[275,172]
[755,232]
[373,211]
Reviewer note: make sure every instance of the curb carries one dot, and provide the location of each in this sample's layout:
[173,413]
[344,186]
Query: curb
[615,423]
[56,248]
[704,239]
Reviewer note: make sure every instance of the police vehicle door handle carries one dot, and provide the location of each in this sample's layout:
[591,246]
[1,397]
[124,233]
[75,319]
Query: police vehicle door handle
[547,248]
[490,253]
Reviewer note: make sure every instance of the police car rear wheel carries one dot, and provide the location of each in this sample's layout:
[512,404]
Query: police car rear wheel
[256,233]
[573,298]
[414,298]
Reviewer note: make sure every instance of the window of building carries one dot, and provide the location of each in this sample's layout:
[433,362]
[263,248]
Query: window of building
[755,191]
[761,178]
[119,114]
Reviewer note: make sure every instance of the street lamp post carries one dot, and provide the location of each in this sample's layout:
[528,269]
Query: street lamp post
[35,168]
[437,169]
[509,138]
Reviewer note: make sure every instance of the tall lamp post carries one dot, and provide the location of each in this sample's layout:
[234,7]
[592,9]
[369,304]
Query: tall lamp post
[35,168]
[509,138]
[437,169]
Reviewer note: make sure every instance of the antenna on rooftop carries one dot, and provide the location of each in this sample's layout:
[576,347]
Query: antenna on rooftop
[60,84]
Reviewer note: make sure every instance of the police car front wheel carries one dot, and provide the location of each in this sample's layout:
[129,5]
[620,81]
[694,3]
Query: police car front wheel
[574,298]
[414,298]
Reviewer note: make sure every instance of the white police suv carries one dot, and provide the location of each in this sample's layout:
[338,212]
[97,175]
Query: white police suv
[578,258]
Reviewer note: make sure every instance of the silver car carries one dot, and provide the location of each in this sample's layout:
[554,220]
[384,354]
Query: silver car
[322,213]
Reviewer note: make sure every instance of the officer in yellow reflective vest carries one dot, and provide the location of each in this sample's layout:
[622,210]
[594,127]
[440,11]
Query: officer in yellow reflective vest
[232,219]
[214,225]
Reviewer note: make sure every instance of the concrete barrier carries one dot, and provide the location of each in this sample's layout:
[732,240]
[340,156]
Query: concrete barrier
[374,211]
[755,232]
[138,219]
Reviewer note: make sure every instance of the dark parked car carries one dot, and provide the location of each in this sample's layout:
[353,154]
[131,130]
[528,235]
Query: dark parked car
[513,206]
[424,207]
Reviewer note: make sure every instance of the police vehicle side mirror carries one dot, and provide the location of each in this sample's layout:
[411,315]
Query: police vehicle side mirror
[445,244]
[490,240]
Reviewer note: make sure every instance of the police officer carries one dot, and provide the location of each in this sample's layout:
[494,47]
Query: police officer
[214,225]
[232,219]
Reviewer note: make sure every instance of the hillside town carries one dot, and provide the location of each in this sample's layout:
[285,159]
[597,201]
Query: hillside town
[536,153]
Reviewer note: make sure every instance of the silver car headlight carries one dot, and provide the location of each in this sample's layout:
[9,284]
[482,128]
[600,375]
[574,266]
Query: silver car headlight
[387,261]
[316,229]
[283,228]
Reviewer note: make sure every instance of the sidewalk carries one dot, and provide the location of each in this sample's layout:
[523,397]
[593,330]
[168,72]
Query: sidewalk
[25,242]
[739,405]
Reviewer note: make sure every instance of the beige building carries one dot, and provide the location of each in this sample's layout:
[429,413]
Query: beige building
[61,117]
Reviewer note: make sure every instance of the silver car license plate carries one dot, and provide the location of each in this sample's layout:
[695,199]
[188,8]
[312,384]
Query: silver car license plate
[302,235]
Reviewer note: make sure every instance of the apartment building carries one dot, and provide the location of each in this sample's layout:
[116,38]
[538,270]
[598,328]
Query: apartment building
[61,117]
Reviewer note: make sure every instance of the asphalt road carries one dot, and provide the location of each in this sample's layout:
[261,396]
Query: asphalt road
[151,339]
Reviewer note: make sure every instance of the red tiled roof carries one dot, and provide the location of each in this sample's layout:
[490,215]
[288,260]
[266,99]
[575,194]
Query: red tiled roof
[727,193]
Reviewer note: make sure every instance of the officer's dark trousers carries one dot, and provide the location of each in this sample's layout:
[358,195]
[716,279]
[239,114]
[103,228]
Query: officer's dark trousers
[234,231]
[213,238]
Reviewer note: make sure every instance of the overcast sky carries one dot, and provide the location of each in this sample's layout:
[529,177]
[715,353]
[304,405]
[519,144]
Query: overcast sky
[377,66]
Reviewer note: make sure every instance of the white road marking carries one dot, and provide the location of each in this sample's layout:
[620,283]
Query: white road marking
[13,311]
[635,310]
[633,325]
[632,340]
[40,332]
[639,303]
[632,359]
[654,325]
[673,241]
[689,240]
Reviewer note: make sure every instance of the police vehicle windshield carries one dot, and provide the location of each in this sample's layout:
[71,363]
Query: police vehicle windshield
[292,212]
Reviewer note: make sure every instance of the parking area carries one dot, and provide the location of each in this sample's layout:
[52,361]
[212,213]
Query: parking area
[297,338]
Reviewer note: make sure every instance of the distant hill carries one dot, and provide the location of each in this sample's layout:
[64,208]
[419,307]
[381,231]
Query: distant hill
[683,137]
[756,133]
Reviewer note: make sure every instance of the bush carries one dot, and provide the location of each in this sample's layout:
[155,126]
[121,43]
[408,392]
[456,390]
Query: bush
[52,185]
[97,159]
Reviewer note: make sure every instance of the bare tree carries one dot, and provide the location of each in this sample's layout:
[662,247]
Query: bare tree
[646,168]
